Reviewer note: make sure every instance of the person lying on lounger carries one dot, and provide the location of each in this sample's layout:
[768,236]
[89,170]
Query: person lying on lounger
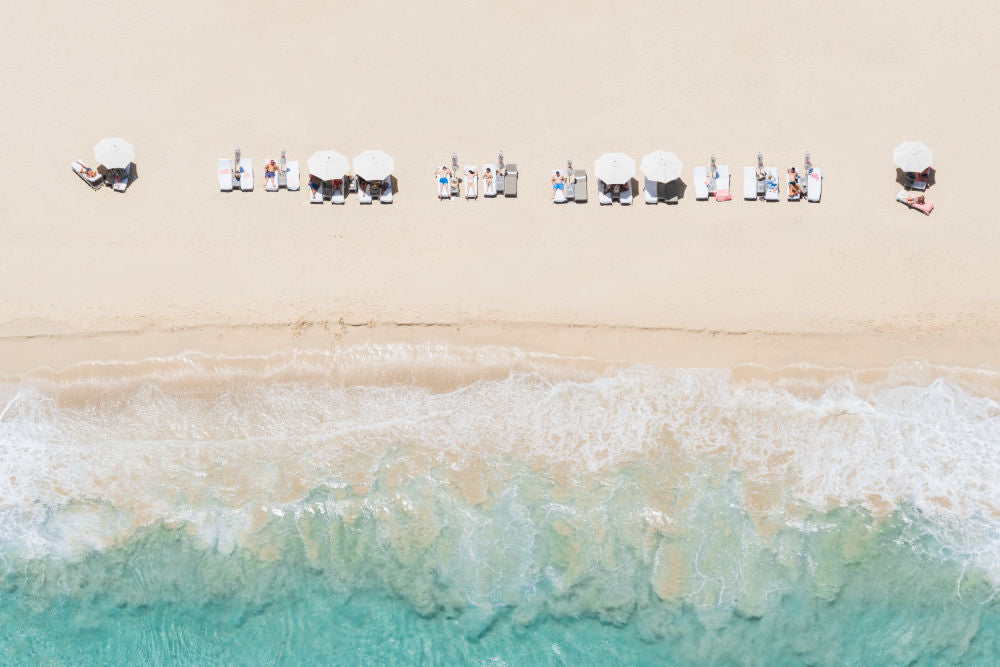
[914,199]
[794,189]
[270,172]
[558,183]
[470,182]
[444,178]
[488,178]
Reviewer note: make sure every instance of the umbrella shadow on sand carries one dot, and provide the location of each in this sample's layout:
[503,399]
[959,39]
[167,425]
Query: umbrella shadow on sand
[902,180]
[110,174]
[674,190]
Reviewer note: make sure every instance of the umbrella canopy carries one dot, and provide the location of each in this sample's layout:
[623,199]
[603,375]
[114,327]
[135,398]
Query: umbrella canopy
[661,166]
[327,165]
[114,153]
[912,156]
[374,165]
[614,168]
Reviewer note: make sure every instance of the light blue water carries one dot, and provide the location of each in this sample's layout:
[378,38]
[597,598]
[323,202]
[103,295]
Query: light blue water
[438,506]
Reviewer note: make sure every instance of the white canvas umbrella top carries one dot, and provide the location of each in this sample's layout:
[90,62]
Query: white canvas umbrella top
[114,153]
[374,165]
[614,168]
[661,166]
[327,165]
[912,156]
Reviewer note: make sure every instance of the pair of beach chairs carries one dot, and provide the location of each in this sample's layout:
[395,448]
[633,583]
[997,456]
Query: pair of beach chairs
[336,191]
[769,189]
[606,194]
[712,182]
[286,177]
[468,184]
[236,174]
[118,179]
[574,186]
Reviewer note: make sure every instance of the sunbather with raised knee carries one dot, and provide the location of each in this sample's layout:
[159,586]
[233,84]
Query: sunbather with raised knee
[794,189]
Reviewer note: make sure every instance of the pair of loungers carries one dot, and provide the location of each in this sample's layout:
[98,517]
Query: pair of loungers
[238,176]
[118,179]
[769,188]
[289,179]
[908,198]
[470,182]
[335,191]
[715,185]
[606,194]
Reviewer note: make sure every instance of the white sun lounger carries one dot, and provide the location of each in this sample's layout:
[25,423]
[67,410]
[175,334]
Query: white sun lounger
[225,174]
[603,193]
[814,182]
[722,180]
[625,196]
[924,208]
[773,189]
[292,176]
[386,196]
[246,177]
[559,196]
[120,178]
[700,186]
[749,183]
[337,192]
[317,197]
[490,189]
[650,190]
[788,188]
[272,184]
[94,182]
[471,185]
[365,194]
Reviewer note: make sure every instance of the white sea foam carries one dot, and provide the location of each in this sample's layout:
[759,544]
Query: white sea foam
[224,445]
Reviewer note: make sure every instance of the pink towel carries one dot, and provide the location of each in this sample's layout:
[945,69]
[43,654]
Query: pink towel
[723,195]
[926,207]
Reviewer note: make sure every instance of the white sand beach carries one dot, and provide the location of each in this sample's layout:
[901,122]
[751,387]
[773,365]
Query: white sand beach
[174,265]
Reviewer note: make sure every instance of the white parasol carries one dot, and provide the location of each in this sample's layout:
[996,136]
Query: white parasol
[327,165]
[374,165]
[913,156]
[661,166]
[614,168]
[114,153]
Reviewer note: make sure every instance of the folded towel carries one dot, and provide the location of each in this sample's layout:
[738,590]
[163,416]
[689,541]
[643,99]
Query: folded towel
[723,195]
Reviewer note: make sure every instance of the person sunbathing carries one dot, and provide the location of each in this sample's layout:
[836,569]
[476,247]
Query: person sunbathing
[794,189]
[913,200]
[444,178]
[87,171]
[470,182]
[270,172]
[314,186]
[558,183]
[488,178]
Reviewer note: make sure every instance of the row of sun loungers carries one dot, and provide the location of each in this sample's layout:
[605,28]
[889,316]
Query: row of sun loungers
[335,191]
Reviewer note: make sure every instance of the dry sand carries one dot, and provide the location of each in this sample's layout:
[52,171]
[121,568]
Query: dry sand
[173,264]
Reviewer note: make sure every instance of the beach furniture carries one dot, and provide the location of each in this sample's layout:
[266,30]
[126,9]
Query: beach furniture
[603,193]
[924,208]
[501,172]
[650,191]
[338,190]
[576,183]
[116,156]
[510,180]
[364,192]
[443,192]
[271,185]
[749,183]
[225,175]
[317,196]
[659,168]
[559,194]
[614,171]
[80,169]
[385,196]
[490,188]
[455,181]
[291,176]
[913,157]
[814,184]
[119,178]
[625,194]
[701,181]
[788,186]
[772,190]
[471,181]
[721,179]
[246,174]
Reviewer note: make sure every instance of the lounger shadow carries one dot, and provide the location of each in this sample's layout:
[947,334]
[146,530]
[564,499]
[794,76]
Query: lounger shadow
[395,184]
[674,190]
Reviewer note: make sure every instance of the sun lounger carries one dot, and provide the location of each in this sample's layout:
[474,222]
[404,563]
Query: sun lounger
[316,197]
[773,191]
[292,176]
[271,184]
[386,196]
[651,190]
[814,184]
[722,180]
[700,183]
[95,181]
[225,175]
[749,183]
[625,196]
[580,186]
[246,176]
[337,191]
[788,188]
[924,208]
[365,194]
[490,189]
[471,181]
[559,195]
[120,178]
[603,193]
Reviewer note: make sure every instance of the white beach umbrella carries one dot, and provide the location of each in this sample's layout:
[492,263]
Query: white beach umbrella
[614,168]
[374,165]
[661,166]
[114,153]
[912,156]
[327,165]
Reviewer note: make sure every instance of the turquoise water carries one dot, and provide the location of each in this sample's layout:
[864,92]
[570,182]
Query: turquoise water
[430,505]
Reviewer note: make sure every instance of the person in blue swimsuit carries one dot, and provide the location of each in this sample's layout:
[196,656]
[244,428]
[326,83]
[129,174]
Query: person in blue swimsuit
[444,178]
[558,183]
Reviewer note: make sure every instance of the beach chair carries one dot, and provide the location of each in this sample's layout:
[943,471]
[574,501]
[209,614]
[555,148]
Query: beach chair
[386,196]
[788,188]
[700,183]
[580,186]
[749,183]
[246,175]
[271,185]
[603,193]
[772,190]
[337,192]
[364,193]
[924,208]
[471,178]
[317,197]
[120,178]
[722,180]
[225,175]
[814,184]
[559,195]
[651,189]
[292,176]
[490,189]
[625,194]
[95,181]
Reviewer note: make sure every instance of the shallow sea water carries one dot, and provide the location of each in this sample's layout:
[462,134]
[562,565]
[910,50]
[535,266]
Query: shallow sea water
[406,504]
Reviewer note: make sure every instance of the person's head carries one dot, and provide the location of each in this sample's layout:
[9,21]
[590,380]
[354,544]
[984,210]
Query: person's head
[272,161]
[920,199]
[557,172]
[792,170]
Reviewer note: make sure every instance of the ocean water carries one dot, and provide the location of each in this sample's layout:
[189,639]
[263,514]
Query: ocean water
[407,504]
